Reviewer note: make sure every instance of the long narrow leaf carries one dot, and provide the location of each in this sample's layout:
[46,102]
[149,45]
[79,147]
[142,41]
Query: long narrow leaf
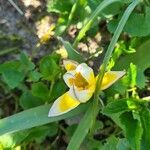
[72,53]
[33,117]
[82,129]
[92,18]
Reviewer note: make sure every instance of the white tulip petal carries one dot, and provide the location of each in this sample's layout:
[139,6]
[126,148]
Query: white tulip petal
[67,76]
[62,105]
[81,95]
[86,72]
[110,78]
[70,65]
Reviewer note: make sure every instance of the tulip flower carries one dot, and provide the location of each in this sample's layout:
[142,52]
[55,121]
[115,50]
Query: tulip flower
[81,81]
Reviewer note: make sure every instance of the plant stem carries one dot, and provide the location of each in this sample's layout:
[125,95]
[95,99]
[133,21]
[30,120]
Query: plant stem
[112,44]
[108,54]
[16,7]
[92,18]
[9,50]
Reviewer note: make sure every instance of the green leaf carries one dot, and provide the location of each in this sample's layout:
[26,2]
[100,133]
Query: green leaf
[140,59]
[34,117]
[92,19]
[40,90]
[8,141]
[34,76]
[26,64]
[123,144]
[91,144]
[111,143]
[145,120]
[38,134]
[119,106]
[9,65]
[133,130]
[27,100]
[49,67]
[72,53]
[59,88]
[57,6]
[82,130]
[13,78]
[137,25]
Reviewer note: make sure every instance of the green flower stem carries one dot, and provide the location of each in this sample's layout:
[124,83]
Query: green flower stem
[108,55]
[89,118]
[113,43]
[92,18]
[9,50]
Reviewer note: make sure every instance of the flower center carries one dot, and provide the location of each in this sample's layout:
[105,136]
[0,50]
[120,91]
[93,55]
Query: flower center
[79,81]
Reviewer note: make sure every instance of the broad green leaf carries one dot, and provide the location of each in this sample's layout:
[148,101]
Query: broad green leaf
[134,27]
[59,88]
[9,141]
[72,53]
[119,106]
[123,144]
[145,120]
[57,6]
[63,8]
[34,76]
[13,78]
[133,130]
[49,67]
[40,133]
[140,59]
[26,64]
[40,90]
[9,65]
[91,144]
[34,117]
[27,100]
[111,143]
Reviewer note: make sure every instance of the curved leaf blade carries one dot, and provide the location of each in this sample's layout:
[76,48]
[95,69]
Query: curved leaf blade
[33,117]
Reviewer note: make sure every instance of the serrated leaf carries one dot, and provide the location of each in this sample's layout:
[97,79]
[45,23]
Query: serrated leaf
[123,144]
[49,67]
[119,106]
[133,130]
[34,117]
[57,6]
[58,89]
[40,133]
[140,59]
[111,143]
[34,76]
[9,65]
[27,100]
[145,120]
[40,90]
[13,78]
[26,64]
[137,25]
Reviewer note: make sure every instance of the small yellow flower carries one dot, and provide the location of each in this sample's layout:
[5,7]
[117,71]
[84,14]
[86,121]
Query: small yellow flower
[81,81]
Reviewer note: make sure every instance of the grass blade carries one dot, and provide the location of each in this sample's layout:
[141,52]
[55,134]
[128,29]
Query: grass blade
[33,117]
[92,18]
